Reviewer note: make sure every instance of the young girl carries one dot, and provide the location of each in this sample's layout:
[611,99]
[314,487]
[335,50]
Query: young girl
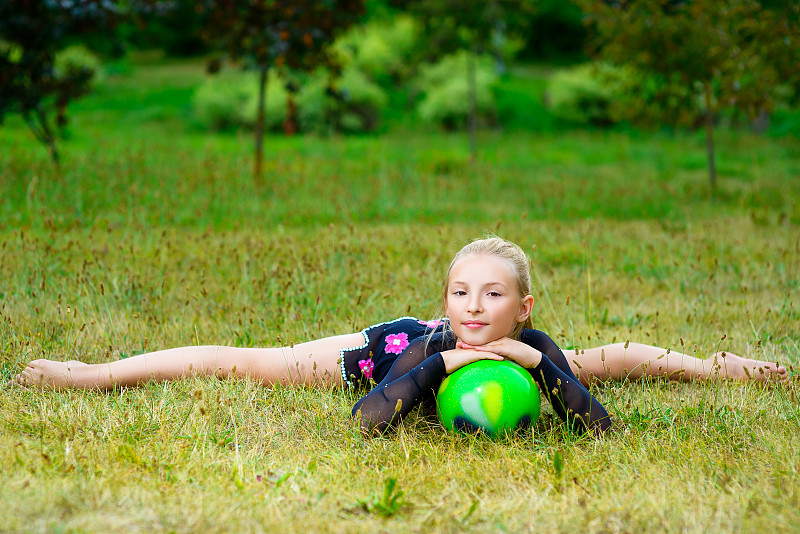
[409,357]
[488,304]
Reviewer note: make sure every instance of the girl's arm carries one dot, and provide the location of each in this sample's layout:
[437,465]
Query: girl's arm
[570,400]
[414,376]
[541,356]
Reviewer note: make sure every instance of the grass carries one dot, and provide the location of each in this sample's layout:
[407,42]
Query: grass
[152,235]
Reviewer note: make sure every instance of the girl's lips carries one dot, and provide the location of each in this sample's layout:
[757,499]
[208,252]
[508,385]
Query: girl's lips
[474,325]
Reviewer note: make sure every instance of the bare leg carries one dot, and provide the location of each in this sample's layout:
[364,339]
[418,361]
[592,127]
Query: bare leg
[618,362]
[305,363]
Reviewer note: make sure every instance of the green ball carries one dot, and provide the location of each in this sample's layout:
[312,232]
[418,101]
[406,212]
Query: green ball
[490,396]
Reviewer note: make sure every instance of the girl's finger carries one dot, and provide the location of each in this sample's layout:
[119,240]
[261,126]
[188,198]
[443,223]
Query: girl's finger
[489,346]
[494,346]
[484,348]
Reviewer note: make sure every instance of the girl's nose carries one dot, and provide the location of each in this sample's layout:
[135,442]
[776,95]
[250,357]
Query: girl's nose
[474,305]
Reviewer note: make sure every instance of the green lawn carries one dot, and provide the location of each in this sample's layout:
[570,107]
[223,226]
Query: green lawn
[153,234]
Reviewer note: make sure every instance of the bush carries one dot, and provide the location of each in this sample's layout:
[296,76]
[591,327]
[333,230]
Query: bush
[230,99]
[602,94]
[446,94]
[583,94]
[77,58]
[380,49]
[358,109]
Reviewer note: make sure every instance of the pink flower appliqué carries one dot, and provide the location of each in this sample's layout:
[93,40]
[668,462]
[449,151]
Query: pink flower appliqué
[432,324]
[396,343]
[366,366]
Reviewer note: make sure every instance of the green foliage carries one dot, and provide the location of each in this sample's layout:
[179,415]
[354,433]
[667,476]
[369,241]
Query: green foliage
[582,94]
[739,54]
[265,35]
[556,32]
[229,100]
[174,27]
[268,34]
[445,91]
[521,101]
[601,93]
[558,465]
[646,98]
[30,35]
[785,122]
[388,503]
[357,108]
[473,25]
[152,103]
[381,49]
[76,58]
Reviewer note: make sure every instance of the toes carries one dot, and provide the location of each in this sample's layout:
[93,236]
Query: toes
[26,378]
[19,381]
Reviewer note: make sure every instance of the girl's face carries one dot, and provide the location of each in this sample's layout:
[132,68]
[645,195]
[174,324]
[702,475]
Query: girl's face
[483,302]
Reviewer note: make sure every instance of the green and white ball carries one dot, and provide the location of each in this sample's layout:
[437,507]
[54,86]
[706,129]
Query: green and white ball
[489,396]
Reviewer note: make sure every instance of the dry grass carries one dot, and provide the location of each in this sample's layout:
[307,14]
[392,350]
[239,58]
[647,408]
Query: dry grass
[225,455]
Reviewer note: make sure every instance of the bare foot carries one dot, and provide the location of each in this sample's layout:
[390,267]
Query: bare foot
[736,367]
[48,373]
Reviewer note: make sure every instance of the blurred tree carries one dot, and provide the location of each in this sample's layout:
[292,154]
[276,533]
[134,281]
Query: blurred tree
[556,33]
[33,82]
[31,33]
[477,26]
[173,27]
[707,54]
[291,34]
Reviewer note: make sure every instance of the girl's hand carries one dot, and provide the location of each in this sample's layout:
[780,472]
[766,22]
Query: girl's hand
[457,358]
[516,351]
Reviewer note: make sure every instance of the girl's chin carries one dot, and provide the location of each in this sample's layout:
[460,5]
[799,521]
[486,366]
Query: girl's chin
[479,339]
[475,340]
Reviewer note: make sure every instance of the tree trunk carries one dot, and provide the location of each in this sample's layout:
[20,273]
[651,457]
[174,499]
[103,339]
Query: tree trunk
[51,144]
[472,96]
[41,130]
[333,107]
[712,170]
[260,114]
[498,40]
[290,122]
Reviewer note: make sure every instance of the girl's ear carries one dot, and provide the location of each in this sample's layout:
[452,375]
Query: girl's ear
[525,309]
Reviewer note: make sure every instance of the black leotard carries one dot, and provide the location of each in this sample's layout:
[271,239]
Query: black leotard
[417,372]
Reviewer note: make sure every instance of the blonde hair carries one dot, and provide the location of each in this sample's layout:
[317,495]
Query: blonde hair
[502,249]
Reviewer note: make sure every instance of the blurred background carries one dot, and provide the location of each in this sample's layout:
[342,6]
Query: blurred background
[376,67]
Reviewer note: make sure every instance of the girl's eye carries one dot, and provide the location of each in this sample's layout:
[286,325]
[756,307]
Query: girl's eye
[494,294]
[459,292]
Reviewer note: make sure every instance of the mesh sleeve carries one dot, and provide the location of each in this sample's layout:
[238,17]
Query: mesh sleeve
[570,400]
[415,376]
[417,373]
